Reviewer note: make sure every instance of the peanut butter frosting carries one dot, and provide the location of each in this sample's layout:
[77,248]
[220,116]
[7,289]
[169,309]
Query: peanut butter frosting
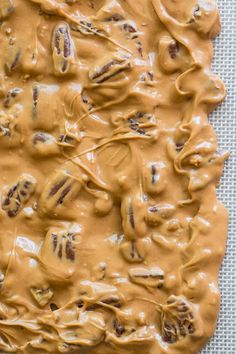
[111,233]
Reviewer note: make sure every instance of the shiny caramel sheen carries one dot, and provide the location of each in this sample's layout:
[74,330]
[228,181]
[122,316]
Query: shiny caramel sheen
[111,233]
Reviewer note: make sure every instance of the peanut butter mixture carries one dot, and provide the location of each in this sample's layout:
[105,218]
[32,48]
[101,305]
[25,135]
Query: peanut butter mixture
[111,234]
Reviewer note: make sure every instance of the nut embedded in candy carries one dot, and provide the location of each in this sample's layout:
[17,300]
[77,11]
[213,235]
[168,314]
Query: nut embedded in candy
[14,197]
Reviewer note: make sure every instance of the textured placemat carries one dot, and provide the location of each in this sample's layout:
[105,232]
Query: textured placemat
[224,121]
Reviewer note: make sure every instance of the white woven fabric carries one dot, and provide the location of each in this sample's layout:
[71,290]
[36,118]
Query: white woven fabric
[224,121]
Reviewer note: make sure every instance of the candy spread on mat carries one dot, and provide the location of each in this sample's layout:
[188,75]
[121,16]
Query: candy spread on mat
[111,235]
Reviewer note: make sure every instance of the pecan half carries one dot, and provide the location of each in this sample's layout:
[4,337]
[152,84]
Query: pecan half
[14,197]
[177,319]
[63,50]
[42,295]
[109,68]
[46,106]
[133,216]
[129,27]
[147,276]
[60,189]
[135,252]
[58,254]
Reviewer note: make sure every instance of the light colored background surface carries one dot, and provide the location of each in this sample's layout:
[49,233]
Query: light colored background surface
[224,121]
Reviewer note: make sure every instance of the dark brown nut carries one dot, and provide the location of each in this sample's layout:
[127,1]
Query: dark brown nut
[58,254]
[155,177]
[6,8]
[60,189]
[133,213]
[174,49]
[135,252]
[42,295]
[89,330]
[11,96]
[177,319]
[150,277]
[14,197]
[44,144]
[46,106]
[110,67]
[63,50]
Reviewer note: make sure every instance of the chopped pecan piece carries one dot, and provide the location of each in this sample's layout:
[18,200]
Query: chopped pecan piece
[61,188]
[44,144]
[42,295]
[147,276]
[177,319]
[6,8]
[10,127]
[110,68]
[11,96]
[14,197]
[63,50]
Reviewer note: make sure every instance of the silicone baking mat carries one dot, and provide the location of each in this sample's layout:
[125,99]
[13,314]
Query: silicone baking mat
[224,121]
